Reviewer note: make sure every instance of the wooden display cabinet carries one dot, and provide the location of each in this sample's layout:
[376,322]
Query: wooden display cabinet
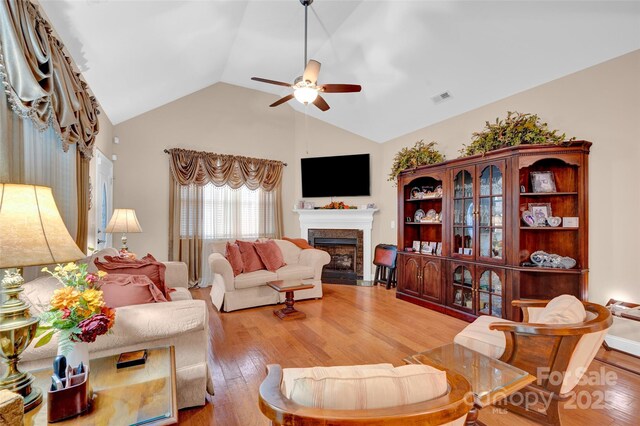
[484,261]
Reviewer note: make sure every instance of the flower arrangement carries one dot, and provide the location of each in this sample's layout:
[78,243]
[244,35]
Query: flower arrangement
[517,129]
[78,312]
[339,205]
[409,158]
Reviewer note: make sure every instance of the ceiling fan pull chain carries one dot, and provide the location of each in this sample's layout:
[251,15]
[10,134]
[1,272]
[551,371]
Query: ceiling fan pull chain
[305,35]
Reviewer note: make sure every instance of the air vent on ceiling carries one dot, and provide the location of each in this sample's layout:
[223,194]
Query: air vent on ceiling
[441,97]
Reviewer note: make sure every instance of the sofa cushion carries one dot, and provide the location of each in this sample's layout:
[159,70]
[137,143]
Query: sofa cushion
[295,272]
[356,388]
[250,258]
[564,309]
[270,255]
[38,293]
[290,252]
[477,337]
[254,279]
[126,290]
[233,256]
[180,293]
[289,375]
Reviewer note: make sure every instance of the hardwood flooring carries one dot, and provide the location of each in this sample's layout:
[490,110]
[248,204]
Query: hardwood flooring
[355,325]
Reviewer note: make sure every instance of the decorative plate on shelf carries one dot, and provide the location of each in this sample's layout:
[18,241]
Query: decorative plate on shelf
[415,193]
[528,218]
[417,217]
[431,216]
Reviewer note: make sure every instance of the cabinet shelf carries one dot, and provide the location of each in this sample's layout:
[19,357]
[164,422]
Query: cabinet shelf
[424,223]
[548,228]
[575,271]
[424,199]
[546,194]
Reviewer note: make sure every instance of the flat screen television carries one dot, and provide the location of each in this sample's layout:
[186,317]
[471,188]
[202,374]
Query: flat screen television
[338,176]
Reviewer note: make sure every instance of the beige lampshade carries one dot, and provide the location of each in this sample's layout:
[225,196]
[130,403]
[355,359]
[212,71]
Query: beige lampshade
[124,220]
[31,229]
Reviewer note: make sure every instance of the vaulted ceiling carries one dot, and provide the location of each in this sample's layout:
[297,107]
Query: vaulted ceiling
[139,55]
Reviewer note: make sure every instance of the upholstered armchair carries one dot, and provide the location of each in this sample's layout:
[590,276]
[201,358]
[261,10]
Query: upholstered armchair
[556,342]
[407,395]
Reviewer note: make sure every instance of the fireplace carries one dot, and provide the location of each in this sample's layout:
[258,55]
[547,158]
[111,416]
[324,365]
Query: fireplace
[345,248]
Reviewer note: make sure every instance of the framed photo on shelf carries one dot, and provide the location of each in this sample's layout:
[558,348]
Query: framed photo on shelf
[543,182]
[416,246]
[424,247]
[540,212]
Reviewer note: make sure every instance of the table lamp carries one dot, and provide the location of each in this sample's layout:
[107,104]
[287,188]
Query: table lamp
[31,233]
[125,221]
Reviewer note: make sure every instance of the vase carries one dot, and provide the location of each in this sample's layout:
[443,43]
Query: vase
[79,353]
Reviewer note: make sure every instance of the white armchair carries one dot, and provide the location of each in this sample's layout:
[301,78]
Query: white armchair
[229,293]
[556,342]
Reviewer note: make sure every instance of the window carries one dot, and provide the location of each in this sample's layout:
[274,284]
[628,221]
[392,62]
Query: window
[226,213]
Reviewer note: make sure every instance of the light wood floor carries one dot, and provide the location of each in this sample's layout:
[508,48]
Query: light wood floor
[354,325]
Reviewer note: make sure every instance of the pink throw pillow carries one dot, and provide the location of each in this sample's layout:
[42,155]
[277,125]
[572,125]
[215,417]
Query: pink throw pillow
[146,266]
[270,254]
[232,254]
[250,258]
[125,290]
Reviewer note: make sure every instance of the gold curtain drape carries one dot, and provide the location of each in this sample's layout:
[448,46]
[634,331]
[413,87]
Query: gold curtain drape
[195,169]
[41,85]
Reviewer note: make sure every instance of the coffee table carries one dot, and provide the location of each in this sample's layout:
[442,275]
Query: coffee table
[143,394]
[288,287]
[491,379]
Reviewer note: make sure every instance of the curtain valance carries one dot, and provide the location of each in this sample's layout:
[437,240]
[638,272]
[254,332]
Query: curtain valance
[39,79]
[199,168]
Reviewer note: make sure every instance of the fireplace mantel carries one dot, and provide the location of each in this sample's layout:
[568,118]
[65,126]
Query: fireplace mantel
[342,219]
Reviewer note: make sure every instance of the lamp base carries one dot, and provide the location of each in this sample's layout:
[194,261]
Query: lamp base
[124,242]
[32,396]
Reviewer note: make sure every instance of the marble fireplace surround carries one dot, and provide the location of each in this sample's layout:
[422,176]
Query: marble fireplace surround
[360,219]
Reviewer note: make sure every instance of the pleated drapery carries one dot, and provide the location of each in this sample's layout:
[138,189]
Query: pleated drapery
[40,85]
[193,222]
[39,79]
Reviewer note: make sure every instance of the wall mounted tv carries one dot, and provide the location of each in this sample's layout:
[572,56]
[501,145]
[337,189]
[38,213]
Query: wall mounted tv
[338,176]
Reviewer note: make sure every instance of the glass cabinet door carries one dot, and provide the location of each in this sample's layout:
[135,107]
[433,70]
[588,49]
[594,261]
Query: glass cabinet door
[491,214]
[490,294]
[462,288]
[463,213]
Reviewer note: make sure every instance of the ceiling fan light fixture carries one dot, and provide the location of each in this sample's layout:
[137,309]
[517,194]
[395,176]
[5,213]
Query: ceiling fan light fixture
[305,95]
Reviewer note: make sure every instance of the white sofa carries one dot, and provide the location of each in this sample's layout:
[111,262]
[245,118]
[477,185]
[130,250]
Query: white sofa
[229,293]
[183,323]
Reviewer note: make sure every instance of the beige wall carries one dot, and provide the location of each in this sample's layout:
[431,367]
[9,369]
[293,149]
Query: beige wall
[600,104]
[226,119]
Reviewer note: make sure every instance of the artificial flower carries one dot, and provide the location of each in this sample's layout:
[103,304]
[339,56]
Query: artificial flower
[93,327]
[93,298]
[70,267]
[109,313]
[65,297]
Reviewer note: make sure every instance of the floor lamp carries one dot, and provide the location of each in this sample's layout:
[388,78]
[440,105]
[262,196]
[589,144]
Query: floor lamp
[31,233]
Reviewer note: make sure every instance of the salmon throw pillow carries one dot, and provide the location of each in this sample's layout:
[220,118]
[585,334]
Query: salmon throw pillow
[250,258]
[233,256]
[270,255]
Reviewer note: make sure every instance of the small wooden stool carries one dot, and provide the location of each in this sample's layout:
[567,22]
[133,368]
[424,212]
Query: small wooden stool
[385,260]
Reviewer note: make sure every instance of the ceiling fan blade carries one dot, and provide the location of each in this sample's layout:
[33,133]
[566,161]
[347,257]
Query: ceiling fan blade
[281,101]
[264,80]
[321,103]
[311,71]
[340,88]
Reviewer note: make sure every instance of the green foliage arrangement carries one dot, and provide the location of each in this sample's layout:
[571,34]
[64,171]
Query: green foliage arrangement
[409,158]
[516,129]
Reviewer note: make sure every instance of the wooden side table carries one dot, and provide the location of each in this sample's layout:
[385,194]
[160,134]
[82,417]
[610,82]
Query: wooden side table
[288,287]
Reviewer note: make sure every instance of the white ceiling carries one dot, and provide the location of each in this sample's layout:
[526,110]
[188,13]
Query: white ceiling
[139,55]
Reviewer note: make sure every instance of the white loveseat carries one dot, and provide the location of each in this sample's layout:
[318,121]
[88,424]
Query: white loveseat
[229,293]
[183,323]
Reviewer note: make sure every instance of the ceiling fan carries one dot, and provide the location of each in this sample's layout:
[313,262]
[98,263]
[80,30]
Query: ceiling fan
[306,88]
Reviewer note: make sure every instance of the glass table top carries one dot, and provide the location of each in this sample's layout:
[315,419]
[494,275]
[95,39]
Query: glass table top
[491,379]
[141,394]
